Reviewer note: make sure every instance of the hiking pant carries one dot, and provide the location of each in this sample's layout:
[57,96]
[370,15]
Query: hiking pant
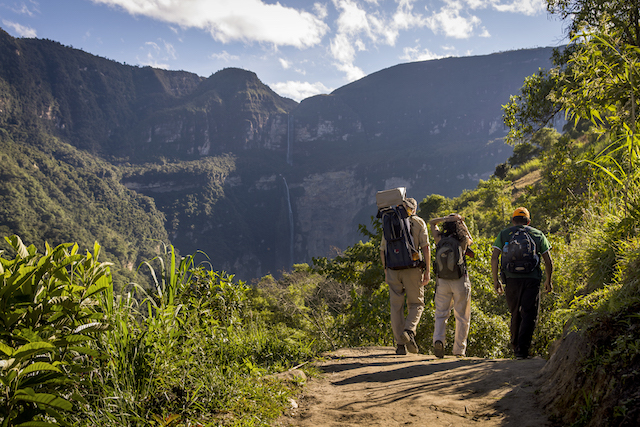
[453,294]
[405,282]
[523,299]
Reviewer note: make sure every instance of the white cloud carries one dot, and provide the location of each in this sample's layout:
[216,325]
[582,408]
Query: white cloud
[299,90]
[234,20]
[351,71]
[224,56]
[526,7]
[23,8]
[19,29]
[449,22]
[352,19]
[320,10]
[342,48]
[412,54]
[362,23]
[157,55]
[284,63]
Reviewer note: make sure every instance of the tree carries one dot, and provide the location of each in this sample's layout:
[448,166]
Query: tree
[532,109]
[603,87]
[622,15]
[595,79]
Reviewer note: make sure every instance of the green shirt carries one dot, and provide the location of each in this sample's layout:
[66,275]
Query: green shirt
[542,246]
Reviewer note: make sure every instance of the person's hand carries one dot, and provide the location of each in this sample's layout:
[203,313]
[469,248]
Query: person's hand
[426,277]
[498,287]
[548,287]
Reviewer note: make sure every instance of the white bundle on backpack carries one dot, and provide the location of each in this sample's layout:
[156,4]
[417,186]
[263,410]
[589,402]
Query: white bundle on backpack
[393,197]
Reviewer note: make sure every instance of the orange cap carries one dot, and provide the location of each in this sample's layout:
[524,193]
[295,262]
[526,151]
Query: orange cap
[521,212]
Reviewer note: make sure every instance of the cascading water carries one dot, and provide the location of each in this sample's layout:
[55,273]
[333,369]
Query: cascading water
[289,138]
[288,197]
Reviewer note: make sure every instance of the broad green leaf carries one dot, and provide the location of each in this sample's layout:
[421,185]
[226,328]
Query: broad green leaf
[44,399]
[86,350]
[72,339]
[32,348]
[19,247]
[37,367]
[37,424]
[6,349]
[101,284]
[91,327]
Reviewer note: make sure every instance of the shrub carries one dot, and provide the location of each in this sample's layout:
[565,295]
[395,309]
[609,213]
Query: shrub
[49,318]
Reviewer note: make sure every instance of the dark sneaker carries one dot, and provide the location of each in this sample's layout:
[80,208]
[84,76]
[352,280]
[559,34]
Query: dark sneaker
[410,338]
[401,349]
[438,349]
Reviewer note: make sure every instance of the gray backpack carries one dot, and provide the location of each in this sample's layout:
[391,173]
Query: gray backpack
[450,263]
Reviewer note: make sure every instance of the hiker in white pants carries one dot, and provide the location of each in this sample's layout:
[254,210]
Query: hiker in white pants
[453,291]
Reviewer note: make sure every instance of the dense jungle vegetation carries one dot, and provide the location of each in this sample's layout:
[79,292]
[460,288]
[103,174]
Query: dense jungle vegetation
[201,348]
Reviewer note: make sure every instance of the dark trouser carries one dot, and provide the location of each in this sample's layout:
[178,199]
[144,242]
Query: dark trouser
[523,299]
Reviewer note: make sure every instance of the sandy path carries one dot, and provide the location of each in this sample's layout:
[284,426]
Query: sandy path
[371,386]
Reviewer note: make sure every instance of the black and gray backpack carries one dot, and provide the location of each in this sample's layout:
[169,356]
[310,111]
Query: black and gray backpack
[400,252]
[520,254]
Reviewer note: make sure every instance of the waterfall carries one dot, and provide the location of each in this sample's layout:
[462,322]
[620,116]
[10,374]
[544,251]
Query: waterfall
[289,138]
[288,196]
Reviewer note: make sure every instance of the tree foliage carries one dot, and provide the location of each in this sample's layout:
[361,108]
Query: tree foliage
[623,15]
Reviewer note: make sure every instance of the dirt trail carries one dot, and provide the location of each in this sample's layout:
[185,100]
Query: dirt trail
[371,386]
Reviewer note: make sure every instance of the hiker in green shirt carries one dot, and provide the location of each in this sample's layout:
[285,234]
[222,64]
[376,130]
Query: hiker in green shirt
[520,248]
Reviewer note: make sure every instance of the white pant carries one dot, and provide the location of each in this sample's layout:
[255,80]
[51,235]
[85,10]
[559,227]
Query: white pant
[453,294]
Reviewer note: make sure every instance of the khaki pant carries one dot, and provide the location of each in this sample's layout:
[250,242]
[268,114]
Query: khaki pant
[453,294]
[405,282]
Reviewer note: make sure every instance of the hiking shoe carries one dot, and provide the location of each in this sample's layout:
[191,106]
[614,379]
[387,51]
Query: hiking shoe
[401,349]
[410,338]
[438,349]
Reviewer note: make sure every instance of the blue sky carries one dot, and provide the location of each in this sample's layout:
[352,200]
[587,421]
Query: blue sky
[299,48]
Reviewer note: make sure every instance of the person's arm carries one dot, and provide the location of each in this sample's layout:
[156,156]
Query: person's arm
[548,270]
[434,230]
[437,235]
[426,274]
[495,257]
[383,261]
